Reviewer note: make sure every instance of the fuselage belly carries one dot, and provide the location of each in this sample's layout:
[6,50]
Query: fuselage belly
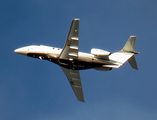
[84,60]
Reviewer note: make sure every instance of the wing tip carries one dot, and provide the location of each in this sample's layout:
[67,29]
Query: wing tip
[76,19]
[133,36]
[82,100]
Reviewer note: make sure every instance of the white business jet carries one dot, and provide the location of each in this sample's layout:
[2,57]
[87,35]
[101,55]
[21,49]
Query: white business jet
[71,60]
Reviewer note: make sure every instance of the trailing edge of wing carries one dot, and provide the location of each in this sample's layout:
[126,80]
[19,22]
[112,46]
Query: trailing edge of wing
[75,82]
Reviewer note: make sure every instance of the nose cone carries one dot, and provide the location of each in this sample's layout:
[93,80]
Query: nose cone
[22,51]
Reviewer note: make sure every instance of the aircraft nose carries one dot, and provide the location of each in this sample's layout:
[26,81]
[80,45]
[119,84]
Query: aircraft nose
[21,51]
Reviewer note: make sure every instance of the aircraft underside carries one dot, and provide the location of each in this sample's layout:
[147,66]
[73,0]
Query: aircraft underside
[76,64]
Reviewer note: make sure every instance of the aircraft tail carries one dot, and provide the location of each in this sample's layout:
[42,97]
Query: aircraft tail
[130,44]
[126,54]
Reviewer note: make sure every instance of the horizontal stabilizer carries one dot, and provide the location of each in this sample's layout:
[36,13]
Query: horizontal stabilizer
[120,57]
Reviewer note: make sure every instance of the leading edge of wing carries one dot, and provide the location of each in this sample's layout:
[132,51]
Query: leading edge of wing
[75,82]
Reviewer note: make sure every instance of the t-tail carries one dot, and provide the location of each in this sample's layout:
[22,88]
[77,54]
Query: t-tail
[126,54]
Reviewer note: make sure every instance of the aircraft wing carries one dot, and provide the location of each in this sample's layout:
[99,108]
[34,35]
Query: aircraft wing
[75,81]
[70,50]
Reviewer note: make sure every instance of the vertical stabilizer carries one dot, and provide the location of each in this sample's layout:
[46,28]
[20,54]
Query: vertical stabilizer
[133,63]
[129,47]
[130,44]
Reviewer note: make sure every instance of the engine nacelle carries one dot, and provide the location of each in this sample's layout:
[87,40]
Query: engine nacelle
[98,53]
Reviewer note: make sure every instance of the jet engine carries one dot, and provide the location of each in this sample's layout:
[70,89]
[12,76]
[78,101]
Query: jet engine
[98,53]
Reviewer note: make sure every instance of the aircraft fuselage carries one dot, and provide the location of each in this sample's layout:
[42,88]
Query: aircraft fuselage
[84,60]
